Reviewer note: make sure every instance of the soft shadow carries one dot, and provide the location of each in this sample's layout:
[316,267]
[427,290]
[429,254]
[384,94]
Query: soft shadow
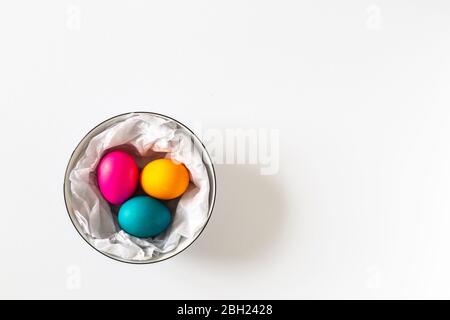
[247,218]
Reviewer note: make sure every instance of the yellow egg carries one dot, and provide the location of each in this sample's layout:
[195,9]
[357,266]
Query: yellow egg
[164,179]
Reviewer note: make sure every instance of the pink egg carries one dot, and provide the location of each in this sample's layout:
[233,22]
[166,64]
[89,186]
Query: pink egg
[117,176]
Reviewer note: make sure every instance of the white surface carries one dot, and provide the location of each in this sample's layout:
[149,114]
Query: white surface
[360,207]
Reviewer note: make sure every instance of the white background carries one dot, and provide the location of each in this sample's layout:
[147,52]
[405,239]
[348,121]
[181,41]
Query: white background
[358,90]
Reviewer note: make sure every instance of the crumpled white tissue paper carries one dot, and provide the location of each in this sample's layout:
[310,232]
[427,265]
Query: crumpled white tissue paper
[151,137]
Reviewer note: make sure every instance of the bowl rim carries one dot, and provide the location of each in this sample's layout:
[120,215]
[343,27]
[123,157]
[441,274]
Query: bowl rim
[211,206]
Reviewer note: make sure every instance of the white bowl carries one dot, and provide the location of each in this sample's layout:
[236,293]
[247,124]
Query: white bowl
[79,151]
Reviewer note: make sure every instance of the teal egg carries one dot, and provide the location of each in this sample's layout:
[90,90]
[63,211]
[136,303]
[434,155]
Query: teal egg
[144,217]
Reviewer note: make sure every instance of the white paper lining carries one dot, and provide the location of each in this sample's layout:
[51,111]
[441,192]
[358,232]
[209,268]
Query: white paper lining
[151,137]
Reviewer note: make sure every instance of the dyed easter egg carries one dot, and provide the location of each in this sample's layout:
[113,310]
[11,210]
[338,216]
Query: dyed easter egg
[144,217]
[117,176]
[164,179]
